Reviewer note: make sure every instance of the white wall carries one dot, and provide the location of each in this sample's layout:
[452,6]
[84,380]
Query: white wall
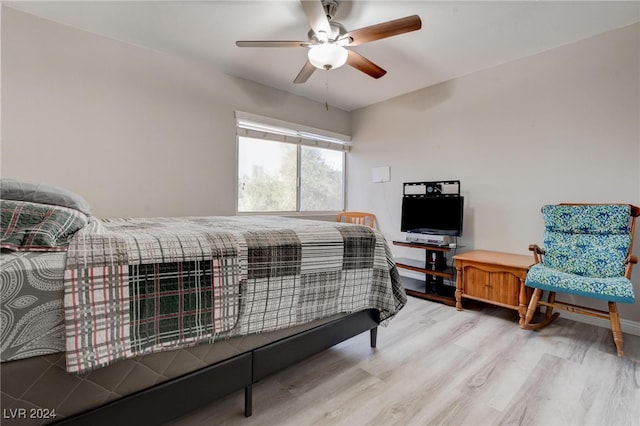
[141,133]
[137,132]
[560,126]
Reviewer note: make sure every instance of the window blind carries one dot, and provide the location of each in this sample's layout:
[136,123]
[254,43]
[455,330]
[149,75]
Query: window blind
[255,126]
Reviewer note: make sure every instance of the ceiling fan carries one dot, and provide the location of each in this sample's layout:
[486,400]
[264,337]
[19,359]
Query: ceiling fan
[328,39]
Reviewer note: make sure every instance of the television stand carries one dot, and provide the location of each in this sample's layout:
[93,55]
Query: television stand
[435,270]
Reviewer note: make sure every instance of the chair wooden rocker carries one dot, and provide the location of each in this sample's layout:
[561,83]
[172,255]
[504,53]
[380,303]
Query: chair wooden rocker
[360,218]
[587,252]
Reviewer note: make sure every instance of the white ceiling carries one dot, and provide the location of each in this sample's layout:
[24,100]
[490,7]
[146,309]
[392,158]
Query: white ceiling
[457,37]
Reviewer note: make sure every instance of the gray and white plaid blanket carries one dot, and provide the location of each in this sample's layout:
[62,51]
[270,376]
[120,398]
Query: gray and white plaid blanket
[136,286]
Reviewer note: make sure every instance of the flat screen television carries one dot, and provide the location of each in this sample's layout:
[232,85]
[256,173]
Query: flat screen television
[432,215]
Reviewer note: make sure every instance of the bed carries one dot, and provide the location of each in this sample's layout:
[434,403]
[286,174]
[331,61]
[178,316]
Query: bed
[145,319]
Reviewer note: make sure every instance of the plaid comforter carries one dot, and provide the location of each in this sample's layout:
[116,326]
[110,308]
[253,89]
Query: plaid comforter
[136,286]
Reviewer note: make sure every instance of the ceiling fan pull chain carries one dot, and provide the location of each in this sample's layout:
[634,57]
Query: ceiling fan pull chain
[326,90]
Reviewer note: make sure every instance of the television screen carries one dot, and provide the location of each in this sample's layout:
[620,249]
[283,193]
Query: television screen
[432,215]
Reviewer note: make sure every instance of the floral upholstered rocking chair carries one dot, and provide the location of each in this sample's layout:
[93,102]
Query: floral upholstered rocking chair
[587,252]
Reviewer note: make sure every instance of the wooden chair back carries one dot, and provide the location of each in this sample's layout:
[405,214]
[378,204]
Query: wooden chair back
[359,218]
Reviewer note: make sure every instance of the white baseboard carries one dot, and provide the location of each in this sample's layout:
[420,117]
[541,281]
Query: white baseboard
[628,326]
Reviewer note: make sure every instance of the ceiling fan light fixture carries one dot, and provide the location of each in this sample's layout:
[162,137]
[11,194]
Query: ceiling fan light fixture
[326,39]
[327,56]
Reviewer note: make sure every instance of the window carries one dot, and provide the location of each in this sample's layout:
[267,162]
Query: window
[282,168]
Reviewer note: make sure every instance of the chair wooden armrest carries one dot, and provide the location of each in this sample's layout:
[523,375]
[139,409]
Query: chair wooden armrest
[537,252]
[536,249]
[631,260]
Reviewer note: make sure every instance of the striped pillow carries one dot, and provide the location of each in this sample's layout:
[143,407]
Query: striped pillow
[29,226]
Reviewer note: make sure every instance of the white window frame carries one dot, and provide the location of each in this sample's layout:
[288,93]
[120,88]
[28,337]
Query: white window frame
[259,127]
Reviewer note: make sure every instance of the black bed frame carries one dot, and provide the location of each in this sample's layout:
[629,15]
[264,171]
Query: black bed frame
[179,396]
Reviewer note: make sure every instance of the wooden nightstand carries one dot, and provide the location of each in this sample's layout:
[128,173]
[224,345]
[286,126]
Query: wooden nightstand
[493,277]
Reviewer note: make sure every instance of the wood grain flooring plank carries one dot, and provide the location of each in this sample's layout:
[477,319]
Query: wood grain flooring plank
[435,365]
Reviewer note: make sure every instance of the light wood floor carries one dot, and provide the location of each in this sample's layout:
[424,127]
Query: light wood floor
[435,365]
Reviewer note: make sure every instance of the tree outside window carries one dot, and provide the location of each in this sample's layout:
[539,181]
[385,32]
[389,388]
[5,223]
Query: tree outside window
[268,178]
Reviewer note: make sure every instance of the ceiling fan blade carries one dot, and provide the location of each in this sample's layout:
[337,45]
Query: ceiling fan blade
[384,30]
[305,73]
[272,43]
[316,15]
[361,63]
